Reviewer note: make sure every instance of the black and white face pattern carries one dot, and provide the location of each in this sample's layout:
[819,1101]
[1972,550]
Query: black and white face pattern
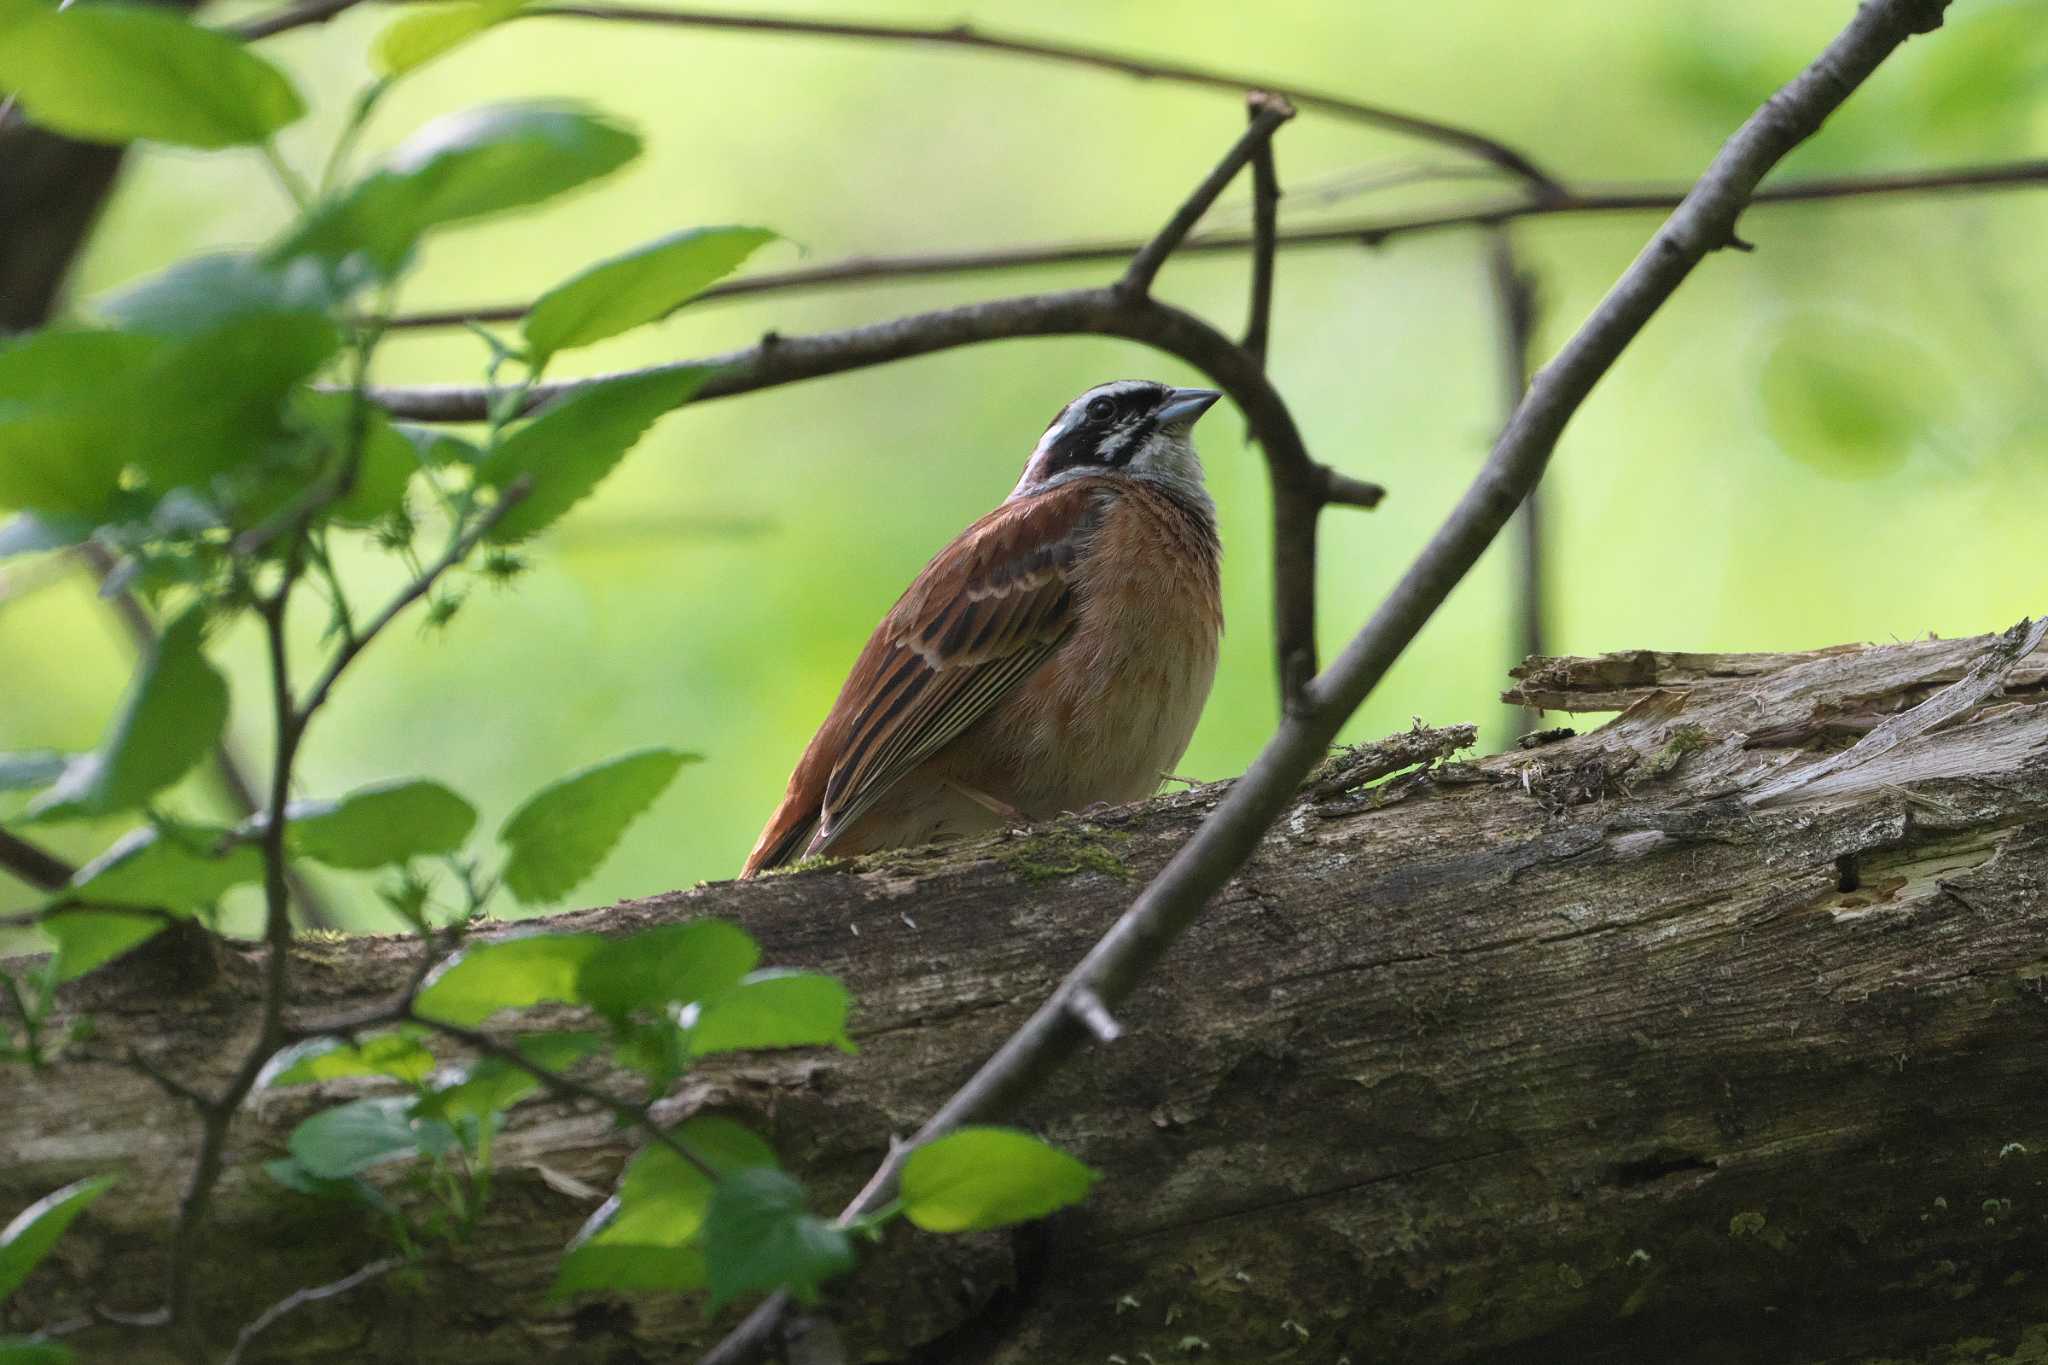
[1137,426]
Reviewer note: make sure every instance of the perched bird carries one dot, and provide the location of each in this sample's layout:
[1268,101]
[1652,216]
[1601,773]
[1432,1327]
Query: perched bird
[1055,655]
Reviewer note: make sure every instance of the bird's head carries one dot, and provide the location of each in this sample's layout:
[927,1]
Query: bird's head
[1131,428]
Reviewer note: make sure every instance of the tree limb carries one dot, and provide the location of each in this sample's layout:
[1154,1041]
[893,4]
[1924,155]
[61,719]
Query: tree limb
[1514,301]
[1447,1052]
[1265,224]
[1267,116]
[1367,232]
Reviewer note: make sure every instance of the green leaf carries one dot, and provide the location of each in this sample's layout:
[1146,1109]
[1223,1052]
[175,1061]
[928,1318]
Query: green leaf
[567,828]
[379,825]
[397,1055]
[645,1236]
[30,1351]
[638,287]
[417,39]
[171,718]
[758,1235]
[574,442]
[339,1142]
[673,964]
[386,461]
[175,867]
[31,769]
[200,293]
[287,1172]
[28,1239]
[463,166]
[492,1086]
[606,1268]
[774,1008]
[62,443]
[217,400]
[662,1197]
[77,409]
[505,973]
[88,938]
[989,1178]
[437,448]
[115,73]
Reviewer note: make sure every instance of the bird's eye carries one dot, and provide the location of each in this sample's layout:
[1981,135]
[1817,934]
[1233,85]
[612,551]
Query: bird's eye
[1100,409]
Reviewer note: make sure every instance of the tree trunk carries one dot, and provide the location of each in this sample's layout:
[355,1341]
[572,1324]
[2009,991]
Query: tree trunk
[1625,1047]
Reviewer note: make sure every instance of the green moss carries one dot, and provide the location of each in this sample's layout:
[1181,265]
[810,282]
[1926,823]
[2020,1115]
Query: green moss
[1065,851]
[1685,739]
[817,862]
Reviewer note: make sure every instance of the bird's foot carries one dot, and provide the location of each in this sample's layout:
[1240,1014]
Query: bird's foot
[994,805]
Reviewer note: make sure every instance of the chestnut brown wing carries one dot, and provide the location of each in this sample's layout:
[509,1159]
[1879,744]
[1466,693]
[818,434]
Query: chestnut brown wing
[983,615]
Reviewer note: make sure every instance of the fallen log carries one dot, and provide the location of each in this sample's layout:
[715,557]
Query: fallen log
[1631,1045]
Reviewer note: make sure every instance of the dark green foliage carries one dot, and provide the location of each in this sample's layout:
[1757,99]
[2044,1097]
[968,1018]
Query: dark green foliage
[562,832]
[567,450]
[379,825]
[28,1238]
[171,718]
[214,435]
[468,165]
[114,73]
[758,1235]
[638,287]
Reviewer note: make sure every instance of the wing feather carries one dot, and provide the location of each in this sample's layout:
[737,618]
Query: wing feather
[984,614]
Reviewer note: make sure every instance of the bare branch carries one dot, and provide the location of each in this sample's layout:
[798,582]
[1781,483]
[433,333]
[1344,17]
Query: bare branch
[1704,222]
[966,36]
[1268,113]
[459,550]
[43,870]
[1514,300]
[1366,232]
[292,16]
[241,795]
[566,1087]
[1265,223]
[301,1298]
[1300,484]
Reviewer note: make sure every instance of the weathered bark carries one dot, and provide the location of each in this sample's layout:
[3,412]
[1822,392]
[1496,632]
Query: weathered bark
[1569,1054]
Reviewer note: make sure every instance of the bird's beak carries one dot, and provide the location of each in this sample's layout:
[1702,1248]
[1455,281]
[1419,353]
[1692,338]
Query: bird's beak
[1183,406]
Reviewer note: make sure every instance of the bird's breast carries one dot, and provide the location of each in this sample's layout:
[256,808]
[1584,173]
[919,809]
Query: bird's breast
[1114,707]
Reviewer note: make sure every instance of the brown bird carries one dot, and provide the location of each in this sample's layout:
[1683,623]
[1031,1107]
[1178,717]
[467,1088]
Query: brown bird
[1055,655]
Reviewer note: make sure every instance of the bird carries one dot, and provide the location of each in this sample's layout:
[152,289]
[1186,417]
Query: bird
[1054,657]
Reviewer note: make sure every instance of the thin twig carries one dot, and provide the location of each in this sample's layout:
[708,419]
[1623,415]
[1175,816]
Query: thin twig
[1367,232]
[1514,301]
[1165,908]
[142,633]
[287,19]
[966,36]
[300,1298]
[290,721]
[565,1087]
[1267,116]
[508,498]
[1265,224]
[1301,486]
[32,864]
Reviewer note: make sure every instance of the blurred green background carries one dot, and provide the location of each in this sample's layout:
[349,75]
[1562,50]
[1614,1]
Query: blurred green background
[1843,436]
